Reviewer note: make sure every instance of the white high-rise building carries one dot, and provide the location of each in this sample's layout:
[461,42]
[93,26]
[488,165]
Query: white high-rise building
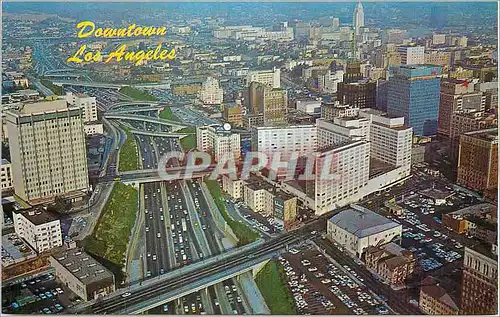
[350,163]
[217,141]
[48,150]
[358,19]
[327,83]
[269,77]
[367,153]
[211,93]
[340,130]
[285,139]
[39,228]
[390,139]
[88,105]
[411,55]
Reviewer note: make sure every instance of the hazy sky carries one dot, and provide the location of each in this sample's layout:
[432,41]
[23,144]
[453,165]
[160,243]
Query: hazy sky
[251,1]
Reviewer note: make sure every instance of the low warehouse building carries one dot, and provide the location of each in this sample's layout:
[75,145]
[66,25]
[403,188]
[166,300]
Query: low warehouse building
[358,228]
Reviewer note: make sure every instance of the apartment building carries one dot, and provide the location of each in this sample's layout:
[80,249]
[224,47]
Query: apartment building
[265,198]
[257,195]
[81,273]
[457,96]
[478,160]
[233,187]
[272,103]
[86,103]
[217,141]
[6,175]
[48,150]
[269,77]
[435,300]
[211,93]
[335,109]
[480,281]
[39,228]
[391,262]
[233,115]
[253,120]
[463,122]
[411,55]
[357,228]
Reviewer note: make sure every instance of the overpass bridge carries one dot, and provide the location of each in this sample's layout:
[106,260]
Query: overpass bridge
[166,122]
[125,109]
[152,175]
[87,84]
[175,284]
[114,86]
[160,134]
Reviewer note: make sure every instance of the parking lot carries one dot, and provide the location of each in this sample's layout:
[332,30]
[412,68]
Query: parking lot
[257,220]
[322,287]
[41,295]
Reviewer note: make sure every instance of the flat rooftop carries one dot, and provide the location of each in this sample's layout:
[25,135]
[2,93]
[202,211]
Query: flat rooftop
[362,222]
[477,210]
[257,183]
[82,266]
[37,216]
[15,250]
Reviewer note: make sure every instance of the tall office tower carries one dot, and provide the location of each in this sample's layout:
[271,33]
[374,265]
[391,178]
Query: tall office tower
[211,93]
[362,94]
[457,96]
[335,24]
[480,281]
[411,55]
[478,160]
[217,141]
[254,99]
[269,77]
[272,103]
[390,140]
[48,151]
[466,122]
[358,18]
[335,109]
[413,93]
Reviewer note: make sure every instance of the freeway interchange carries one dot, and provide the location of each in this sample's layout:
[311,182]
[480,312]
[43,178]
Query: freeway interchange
[177,230]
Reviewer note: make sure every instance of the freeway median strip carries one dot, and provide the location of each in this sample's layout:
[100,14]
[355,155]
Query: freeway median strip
[111,236]
[128,155]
